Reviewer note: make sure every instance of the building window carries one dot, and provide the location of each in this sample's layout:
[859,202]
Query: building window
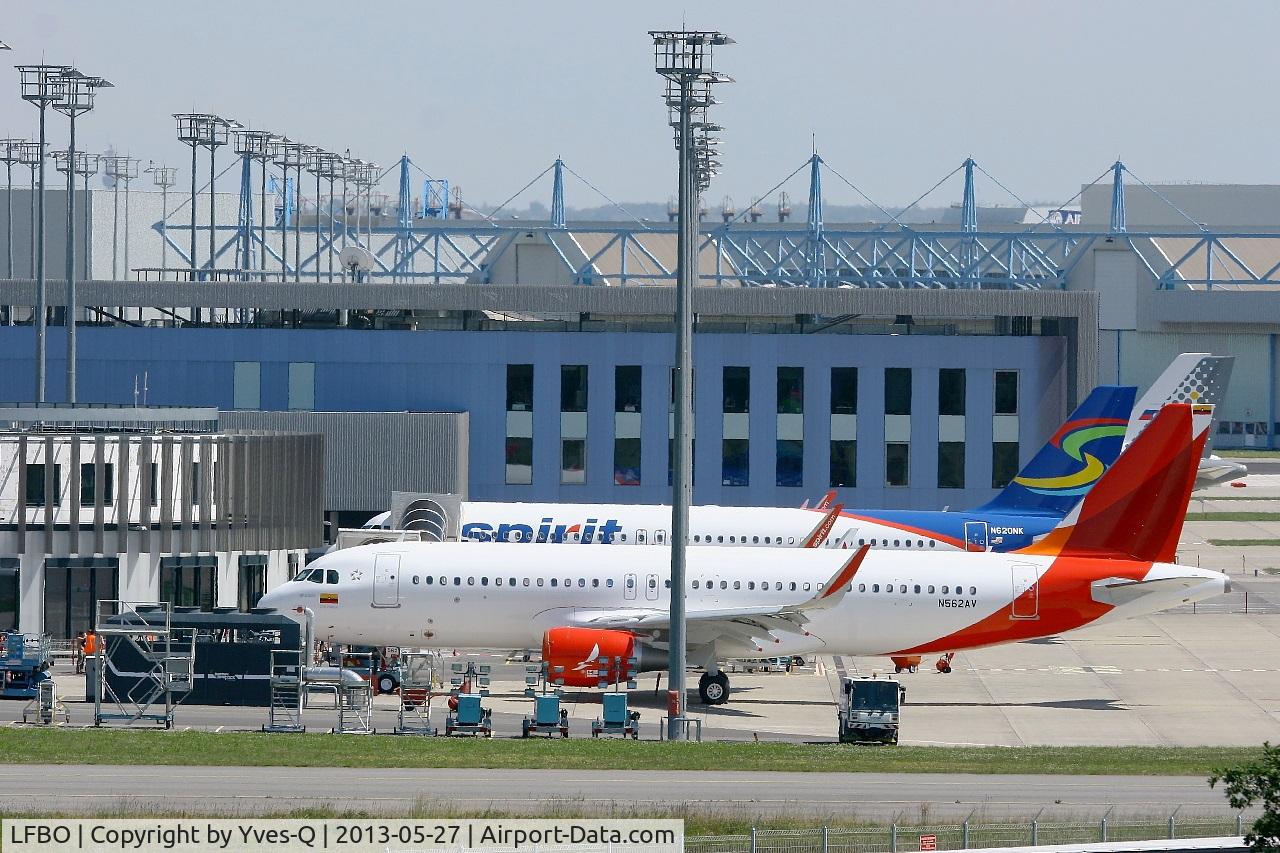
[246,390]
[10,594]
[519,461]
[790,462]
[951,465]
[735,462]
[573,388]
[573,461]
[253,580]
[897,463]
[89,483]
[1004,463]
[153,471]
[790,390]
[844,464]
[626,461]
[897,391]
[1006,392]
[519,387]
[626,388]
[184,584]
[737,390]
[73,586]
[951,391]
[844,390]
[35,484]
[302,385]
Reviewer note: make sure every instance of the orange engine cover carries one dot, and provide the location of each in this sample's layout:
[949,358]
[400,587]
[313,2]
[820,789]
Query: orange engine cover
[572,655]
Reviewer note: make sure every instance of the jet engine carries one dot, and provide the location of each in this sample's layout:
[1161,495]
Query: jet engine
[572,656]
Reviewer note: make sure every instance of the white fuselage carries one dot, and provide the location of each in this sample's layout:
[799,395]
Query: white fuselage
[452,595]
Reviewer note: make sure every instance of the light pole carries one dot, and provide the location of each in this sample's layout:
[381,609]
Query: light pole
[255,145]
[684,59]
[9,152]
[29,155]
[328,165]
[77,98]
[121,169]
[191,130]
[41,85]
[86,167]
[163,177]
[219,133]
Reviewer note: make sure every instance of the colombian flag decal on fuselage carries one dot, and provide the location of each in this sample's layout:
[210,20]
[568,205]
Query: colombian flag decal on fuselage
[328,598]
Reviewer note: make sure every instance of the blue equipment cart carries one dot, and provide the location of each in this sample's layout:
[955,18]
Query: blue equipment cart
[25,664]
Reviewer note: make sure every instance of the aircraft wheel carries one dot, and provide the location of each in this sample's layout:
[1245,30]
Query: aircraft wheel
[713,689]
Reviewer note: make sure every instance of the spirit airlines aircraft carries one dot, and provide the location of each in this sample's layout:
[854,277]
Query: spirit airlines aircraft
[1043,492]
[1109,559]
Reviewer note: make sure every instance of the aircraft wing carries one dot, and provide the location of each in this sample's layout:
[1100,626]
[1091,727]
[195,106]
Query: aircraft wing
[734,622]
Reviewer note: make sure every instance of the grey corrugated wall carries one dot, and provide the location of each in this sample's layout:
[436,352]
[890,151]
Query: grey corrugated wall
[368,455]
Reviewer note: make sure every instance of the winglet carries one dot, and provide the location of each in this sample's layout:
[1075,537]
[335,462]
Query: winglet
[820,533]
[827,500]
[834,589]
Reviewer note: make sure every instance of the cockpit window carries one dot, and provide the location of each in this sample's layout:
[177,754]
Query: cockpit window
[331,576]
[311,576]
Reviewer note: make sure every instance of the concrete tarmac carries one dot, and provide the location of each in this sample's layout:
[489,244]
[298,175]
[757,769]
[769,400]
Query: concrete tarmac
[869,796]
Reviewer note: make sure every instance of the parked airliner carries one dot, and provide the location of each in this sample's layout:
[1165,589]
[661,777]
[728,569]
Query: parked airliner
[1073,459]
[1110,558]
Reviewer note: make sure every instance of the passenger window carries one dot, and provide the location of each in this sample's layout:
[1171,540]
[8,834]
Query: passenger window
[751,584]
[791,540]
[806,587]
[731,540]
[444,581]
[724,584]
[695,584]
[902,588]
[608,582]
[429,580]
[737,584]
[582,583]
[932,543]
[624,537]
[945,590]
[457,581]
[931,589]
[553,582]
[755,540]
[471,581]
[793,586]
[908,543]
[766,540]
[973,590]
[595,583]
[512,582]
[568,581]
[862,587]
[959,590]
[896,543]
[331,576]
[919,543]
[497,581]
[666,583]
[539,581]
[697,538]
[484,581]
[917,590]
[653,583]
[415,579]
[777,586]
[720,539]
[875,587]
[526,581]
[888,588]
[861,543]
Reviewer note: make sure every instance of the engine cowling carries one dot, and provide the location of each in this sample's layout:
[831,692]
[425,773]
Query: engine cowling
[572,655]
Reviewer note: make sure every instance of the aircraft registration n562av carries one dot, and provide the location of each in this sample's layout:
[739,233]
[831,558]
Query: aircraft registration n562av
[1111,558]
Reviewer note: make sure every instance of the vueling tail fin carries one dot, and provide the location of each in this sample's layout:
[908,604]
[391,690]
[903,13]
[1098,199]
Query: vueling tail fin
[1073,459]
[1138,508]
[1192,377]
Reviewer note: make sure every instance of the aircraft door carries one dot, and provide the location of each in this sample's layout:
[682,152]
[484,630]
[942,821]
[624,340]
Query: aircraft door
[975,536]
[629,586]
[651,584]
[1026,592]
[386,580]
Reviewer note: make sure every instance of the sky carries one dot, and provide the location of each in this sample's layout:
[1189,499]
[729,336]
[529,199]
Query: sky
[1044,96]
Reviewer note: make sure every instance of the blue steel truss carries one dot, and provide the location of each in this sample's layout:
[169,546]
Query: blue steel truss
[815,253]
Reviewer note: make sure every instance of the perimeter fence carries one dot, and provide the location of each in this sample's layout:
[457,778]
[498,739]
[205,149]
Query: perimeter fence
[964,836]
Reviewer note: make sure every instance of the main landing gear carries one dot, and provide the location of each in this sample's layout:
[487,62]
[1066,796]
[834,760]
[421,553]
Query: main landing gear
[713,688]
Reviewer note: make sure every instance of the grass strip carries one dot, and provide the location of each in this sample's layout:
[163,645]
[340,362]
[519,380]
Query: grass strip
[256,749]
[1233,516]
[1244,542]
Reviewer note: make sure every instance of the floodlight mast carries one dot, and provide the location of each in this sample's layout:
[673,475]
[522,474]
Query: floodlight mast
[41,85]
[77,98]
[684,59]
[9,154]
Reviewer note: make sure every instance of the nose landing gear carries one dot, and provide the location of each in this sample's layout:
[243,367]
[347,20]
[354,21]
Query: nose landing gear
[713,688]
